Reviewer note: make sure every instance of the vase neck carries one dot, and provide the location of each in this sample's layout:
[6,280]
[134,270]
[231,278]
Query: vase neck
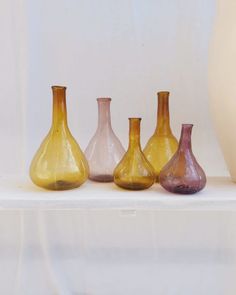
[134,133]
[163,117]
[104,115]
[59,106]
[185,143]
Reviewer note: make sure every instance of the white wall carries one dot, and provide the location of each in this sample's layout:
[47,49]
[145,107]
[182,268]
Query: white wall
[12,85]
[125,49]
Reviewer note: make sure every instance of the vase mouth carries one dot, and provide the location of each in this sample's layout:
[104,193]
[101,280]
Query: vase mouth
[135,118]
[103,99]
[58,87]
[187,125]
[163,92]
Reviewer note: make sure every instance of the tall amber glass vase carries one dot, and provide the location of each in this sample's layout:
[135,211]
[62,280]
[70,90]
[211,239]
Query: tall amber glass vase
[162,145]
[134,172]
[59,164]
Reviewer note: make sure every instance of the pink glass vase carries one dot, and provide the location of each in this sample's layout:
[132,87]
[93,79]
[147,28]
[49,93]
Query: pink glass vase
[104,150]
[182,174]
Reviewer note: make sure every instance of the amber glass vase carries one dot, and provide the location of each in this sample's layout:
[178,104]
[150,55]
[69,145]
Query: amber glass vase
[104,150]
[59,164]
[134,172]
[162,145]
[183,174]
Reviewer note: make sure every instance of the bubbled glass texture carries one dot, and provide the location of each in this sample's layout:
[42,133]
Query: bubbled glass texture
[162,145]
[104,150]
[134,172]
[183,174]
[59,163]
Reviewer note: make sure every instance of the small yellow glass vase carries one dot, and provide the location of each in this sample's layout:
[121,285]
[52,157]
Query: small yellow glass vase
[162,145]
[59,164]
[134,172]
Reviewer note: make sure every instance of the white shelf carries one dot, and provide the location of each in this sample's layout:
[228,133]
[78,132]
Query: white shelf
[19,193]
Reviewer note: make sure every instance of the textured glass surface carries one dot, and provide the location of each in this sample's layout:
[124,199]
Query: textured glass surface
[104,150]
[183,174]
[134,172]
[59,164]
[162,145]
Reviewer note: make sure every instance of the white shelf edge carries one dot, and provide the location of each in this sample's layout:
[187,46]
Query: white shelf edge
[18,193]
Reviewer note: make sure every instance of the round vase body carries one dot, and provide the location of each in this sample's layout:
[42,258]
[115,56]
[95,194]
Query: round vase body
[222,80]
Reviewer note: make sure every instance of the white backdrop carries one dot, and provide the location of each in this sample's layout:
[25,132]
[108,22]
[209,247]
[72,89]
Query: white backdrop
[125,49]
[13,76]
[128,50]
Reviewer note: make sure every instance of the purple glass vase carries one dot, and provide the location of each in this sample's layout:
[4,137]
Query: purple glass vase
[104,150]
[182,174]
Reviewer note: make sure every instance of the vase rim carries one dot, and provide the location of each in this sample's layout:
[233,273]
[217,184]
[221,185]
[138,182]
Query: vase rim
[163,92]
[55,87]
[187,125]
[103,99]
[135,118]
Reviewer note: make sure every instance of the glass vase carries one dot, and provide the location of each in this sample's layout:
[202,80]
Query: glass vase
[104,150]
[59,164]
[162,145]
[134,172]
[183,174]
